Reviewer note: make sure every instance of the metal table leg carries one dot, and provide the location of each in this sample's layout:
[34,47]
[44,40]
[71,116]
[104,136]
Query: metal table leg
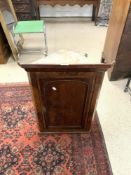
[127,88]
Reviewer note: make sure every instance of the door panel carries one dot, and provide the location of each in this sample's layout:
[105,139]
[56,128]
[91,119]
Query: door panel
[64,102]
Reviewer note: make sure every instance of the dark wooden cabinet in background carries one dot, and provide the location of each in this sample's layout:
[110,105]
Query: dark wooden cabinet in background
[4,47]
[65,96]
[118,40]
[25,9]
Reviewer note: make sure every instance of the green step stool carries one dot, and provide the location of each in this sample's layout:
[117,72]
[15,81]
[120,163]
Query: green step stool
[36,26]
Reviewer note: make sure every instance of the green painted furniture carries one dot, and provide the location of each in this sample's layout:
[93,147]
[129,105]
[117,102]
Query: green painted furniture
[35,26]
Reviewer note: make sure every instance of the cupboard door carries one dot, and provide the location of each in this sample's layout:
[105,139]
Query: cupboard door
[64,102]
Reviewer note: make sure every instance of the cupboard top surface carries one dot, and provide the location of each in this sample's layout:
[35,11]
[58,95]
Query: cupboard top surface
[61,58]
[64,57]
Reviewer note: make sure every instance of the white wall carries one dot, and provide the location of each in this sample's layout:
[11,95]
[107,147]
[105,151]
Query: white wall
[65,11]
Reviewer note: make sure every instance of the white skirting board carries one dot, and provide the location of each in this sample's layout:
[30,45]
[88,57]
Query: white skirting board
[66,11]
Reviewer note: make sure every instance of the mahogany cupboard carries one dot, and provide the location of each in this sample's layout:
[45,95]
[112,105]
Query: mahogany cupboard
[118,40]
[65,96]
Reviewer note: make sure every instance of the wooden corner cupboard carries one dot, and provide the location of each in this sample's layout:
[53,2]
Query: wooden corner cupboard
[65,96]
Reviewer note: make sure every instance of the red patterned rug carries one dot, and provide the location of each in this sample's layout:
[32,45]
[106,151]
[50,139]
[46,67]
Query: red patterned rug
[24,151]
